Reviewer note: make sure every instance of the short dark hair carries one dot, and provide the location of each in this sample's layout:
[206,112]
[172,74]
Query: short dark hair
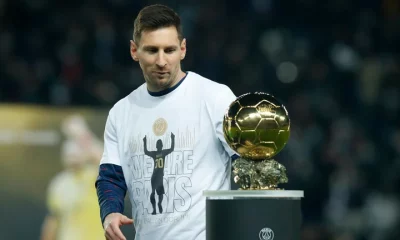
[154,17]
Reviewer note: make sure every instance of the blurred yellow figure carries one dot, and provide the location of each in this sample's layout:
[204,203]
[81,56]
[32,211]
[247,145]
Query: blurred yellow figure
[72,200]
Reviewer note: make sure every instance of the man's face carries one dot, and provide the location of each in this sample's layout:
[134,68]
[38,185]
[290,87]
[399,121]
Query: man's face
[159,54]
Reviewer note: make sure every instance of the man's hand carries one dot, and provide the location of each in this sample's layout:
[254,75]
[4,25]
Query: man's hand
[172,136]
[111,226]
[144,139]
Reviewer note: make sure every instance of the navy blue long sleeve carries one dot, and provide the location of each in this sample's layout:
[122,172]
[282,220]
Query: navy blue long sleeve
[111,189]
[234,157]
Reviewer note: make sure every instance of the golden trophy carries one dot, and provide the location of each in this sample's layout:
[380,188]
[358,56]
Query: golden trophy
[257,127]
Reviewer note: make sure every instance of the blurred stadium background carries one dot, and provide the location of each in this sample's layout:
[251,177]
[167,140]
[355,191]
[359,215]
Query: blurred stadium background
[335,64]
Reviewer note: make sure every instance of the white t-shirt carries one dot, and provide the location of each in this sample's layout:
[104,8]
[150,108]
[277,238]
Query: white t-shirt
[180,169]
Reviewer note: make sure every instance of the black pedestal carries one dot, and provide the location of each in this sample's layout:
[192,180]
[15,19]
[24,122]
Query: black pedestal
[246,215]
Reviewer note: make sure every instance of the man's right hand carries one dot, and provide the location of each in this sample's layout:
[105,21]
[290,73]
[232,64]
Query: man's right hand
[112,223]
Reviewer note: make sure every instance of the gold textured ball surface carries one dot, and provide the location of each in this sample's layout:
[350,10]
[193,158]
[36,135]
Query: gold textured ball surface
[256,126]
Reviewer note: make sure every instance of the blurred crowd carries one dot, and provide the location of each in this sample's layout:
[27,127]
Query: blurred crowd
[335,64]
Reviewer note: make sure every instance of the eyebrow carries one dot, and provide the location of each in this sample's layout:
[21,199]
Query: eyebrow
[155,47]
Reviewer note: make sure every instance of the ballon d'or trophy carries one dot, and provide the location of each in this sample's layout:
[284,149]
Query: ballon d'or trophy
[257,127]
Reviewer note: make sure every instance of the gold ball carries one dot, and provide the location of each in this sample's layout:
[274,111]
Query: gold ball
[256,126]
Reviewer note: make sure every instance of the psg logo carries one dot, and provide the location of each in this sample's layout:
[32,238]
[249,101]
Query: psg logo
[266,234]
[160,126]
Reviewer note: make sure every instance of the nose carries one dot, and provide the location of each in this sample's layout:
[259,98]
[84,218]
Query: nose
[161,60]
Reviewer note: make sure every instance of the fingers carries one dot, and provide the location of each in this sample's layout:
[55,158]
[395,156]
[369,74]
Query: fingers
[111,226]
[114,233]
[110,235]
[117,231]
[126,220]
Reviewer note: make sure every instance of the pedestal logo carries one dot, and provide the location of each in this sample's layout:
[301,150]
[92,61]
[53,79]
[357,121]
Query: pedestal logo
[266,234]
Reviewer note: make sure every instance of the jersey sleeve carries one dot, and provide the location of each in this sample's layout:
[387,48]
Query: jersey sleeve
[54,203]
[224,99]
[110,153]
[110,184]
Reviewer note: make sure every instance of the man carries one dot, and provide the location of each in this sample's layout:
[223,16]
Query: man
[158,171]
[170,102]
[71,199]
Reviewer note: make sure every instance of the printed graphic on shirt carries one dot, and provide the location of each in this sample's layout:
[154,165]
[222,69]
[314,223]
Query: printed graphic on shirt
[161,168]
[160,126]
[158,171]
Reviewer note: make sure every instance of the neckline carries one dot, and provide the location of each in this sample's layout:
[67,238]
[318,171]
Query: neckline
[168,90]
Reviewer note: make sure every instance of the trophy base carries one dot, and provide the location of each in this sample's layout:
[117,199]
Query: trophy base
[253,214]
[258,175]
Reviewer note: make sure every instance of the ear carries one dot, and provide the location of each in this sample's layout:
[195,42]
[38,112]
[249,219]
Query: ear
[134,50]
[183,48]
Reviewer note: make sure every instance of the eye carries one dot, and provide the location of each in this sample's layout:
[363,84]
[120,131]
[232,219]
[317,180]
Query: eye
[151,50]
[170,50]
